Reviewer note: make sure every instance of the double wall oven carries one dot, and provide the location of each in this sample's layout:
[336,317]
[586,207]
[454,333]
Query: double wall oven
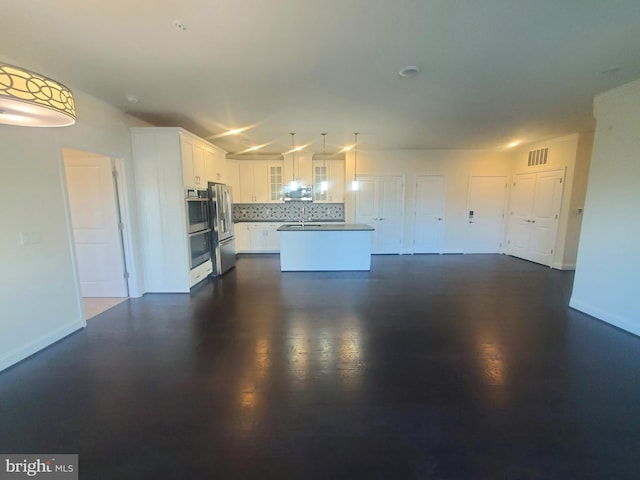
[198,226]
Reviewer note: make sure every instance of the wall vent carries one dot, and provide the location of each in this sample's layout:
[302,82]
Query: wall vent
[538,157]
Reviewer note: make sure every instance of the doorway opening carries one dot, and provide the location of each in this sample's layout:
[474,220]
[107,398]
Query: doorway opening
[95,207]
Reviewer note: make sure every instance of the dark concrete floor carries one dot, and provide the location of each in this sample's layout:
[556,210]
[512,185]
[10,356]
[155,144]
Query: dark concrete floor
[427,367]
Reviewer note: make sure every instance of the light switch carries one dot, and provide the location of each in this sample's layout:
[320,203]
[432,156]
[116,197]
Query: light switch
[30,238]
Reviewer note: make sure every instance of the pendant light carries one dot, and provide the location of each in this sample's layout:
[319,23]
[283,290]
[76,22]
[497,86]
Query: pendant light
[324,185]
[33,100]
[354,182]
[294,182]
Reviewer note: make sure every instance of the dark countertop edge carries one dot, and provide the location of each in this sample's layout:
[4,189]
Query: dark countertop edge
[287,221]
[348,227]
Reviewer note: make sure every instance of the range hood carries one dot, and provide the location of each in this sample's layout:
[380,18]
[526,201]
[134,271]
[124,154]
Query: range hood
[304,193]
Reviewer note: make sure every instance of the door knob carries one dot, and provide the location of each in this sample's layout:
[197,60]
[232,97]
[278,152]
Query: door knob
[439,219]
[471,221]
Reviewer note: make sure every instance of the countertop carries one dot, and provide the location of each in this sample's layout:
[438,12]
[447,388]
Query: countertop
[326,227]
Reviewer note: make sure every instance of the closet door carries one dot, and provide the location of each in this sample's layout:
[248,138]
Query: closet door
[544,216]
[533,221]
[429,214]
[379,203]
[391,195]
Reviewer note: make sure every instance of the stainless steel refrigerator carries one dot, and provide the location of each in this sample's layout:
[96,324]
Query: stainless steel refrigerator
[223,242]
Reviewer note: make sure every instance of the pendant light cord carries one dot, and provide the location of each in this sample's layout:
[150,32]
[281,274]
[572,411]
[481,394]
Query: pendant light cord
[355,156]
[293,158]
[324,151]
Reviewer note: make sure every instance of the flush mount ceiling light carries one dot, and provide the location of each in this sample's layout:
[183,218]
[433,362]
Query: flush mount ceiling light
[409,71]
[33,100]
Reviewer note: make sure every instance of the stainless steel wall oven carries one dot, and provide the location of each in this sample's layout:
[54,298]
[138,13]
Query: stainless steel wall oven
[197,210]
[200,247]
[198,226]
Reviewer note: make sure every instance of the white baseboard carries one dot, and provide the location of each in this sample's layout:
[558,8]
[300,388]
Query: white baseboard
[563,266]
[617,321]
[453,251]
[38,344]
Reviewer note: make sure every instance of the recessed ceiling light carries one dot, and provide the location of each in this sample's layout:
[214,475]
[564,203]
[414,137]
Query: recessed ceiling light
[409,71]
[179,25]
[513,144]
[132,98]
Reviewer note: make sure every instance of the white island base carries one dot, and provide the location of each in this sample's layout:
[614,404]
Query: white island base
[317,248]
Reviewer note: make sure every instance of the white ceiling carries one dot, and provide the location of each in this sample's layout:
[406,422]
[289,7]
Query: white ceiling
[492,70]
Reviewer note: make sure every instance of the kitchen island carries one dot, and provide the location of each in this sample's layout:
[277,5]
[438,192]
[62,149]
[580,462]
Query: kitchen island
[314,247]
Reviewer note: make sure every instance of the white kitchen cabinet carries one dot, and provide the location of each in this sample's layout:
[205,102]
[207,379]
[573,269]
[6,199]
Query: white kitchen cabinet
[193,162]
[260,182]
[233,178]
[275,171]
[299,169]
[163,158]
[215,165]
[331,171]
[243,240]
[257,237]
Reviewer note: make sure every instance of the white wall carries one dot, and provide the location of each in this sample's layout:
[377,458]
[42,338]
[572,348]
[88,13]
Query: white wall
[456,165]
[576,202]
[39,293]
[606,279]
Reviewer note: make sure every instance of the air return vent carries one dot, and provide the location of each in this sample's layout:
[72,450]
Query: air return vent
[538,157]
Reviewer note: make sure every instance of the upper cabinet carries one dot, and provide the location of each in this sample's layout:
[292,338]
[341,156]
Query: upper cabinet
[201,162]
[259,182]
[215,165]
[193,161]
[332,172]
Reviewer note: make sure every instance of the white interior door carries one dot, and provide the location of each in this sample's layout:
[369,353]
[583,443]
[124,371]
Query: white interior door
[486,205]
[379,203]
[94,215]
[367,206]
[390,214]
[544,215]
[520,215]
[533,222]
[429,214]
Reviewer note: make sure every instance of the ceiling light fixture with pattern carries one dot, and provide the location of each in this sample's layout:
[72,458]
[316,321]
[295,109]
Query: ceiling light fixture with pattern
[33,100]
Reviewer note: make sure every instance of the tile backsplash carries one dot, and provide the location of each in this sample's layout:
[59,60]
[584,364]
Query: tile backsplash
[286,212]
